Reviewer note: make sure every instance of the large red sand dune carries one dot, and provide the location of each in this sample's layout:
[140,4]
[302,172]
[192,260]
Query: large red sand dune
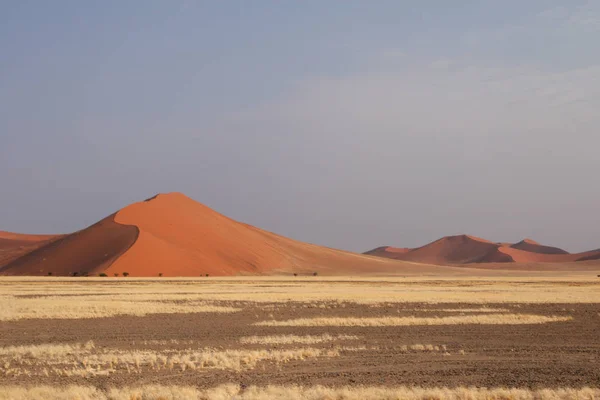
[174,235]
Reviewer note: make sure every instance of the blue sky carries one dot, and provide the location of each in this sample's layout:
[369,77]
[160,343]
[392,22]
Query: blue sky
[350,124]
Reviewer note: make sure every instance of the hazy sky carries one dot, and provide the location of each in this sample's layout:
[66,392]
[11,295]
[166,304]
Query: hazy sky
[350,124]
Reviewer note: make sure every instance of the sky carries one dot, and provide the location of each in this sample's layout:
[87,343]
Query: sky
[349,124]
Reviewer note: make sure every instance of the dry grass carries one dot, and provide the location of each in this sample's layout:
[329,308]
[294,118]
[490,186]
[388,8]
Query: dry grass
[423,347]
[87,360]
[486,319]
[97,291]
[289,339]
[42,351]
[231,391]
[470,310]
[63,307]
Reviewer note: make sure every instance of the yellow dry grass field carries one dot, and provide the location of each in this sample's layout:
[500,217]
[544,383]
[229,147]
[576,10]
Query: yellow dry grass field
[50,298]
[289,339]
[309,338]
[486,319]
[292,392]
[87,360]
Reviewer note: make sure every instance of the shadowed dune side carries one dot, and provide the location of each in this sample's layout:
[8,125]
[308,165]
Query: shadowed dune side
[589,256]
[181,237]
[14,245]
[522,256]
[388,252]
[534,247]
[84,252]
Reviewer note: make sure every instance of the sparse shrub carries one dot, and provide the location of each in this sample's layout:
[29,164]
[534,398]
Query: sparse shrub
[125,274]
[160,274]
[206,274]
[75,273]
[49,273]
[314,274]
[116,274]
[295,274]
[102,274]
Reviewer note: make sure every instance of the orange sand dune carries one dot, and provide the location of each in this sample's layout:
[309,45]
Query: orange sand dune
[85,252]
[523,256]
[177,236]
[535,247]
[387,251]
[459,249]
[15,245]
[173,235]
[464,249]
[181,237]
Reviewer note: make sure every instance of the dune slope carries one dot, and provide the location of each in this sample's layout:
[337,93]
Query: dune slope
[15,245]
[459,249]
[388,252]
[181,237]
[534,247]
[84,252]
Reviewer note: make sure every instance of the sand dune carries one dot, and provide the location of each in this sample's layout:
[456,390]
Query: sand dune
[535,247]
[15,245]
[465,249]
[387,251]
[85,252]
[181,237]
[173,235]
[459,249]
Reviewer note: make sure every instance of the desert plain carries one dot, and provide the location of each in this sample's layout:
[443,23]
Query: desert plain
[496,335]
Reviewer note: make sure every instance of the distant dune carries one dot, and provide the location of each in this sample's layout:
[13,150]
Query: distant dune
[465,249]
[387,251]
[173,235]
[534,247]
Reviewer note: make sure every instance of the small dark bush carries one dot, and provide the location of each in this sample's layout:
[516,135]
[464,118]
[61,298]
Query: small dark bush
[116,274]
[314,274]
[206,274]
[295,274]
[160,274]
[102,274]
[125,274]
[49,273]
[75,273]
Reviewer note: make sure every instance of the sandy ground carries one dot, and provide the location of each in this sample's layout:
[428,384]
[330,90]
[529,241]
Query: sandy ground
[545,355]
